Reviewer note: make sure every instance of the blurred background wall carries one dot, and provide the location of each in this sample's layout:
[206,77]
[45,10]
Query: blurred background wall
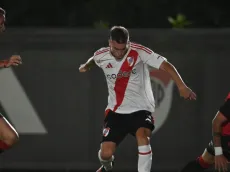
[58,112]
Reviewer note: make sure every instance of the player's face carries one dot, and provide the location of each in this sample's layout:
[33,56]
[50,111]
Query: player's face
[118,50]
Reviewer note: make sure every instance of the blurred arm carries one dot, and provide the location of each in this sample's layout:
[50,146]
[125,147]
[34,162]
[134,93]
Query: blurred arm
[171,70]
[217,123]
[3,63]
[88,65]
[222,116]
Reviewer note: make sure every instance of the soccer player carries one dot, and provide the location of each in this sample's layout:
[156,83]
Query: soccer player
[130,101]
[218,150]
[8,135]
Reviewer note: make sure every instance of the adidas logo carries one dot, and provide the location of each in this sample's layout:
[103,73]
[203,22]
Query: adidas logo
[109,66]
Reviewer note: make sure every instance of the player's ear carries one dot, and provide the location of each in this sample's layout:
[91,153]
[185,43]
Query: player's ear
[109,42]
[127,44]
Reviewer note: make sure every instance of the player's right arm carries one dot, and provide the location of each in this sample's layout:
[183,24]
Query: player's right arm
[14,60]
[95,60]
[222,116]
[87,66]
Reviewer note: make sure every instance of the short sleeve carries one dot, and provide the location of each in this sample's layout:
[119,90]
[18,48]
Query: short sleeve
[151,58]
[99,54]
[96,60]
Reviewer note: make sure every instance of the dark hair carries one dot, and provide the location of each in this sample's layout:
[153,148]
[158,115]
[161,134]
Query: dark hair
[119,34]
[2,11]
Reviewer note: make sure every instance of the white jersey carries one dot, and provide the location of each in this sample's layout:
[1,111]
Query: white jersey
[128,80]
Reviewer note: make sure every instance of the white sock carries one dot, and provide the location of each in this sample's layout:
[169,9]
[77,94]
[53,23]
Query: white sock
[144,158]
[106,163]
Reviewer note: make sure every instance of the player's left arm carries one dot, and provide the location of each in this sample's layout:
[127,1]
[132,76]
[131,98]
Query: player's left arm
[221,162]
[172,71]
[159,62]
[185,91]
[14,60]
[217,123]
[222,116]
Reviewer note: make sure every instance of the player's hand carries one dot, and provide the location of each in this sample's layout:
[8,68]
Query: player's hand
[187,93]
[221,163]
[14,60]
[83,68]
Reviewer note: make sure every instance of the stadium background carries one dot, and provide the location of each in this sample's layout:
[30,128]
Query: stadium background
[58,111]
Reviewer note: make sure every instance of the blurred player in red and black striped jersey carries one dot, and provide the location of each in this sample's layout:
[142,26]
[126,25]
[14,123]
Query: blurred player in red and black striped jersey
[15,59]
[8,135]
[218,150]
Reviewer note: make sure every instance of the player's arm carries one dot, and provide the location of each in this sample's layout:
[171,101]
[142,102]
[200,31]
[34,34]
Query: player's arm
[2,63]
[222,116]
[159,62]
[172,71]
[217,123]
[88,65]
[14,60]
[185,91]
[95,60]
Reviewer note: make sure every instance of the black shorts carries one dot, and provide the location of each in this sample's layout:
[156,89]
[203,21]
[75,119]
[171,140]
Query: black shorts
[225,144]
[117,126]
[1,115]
